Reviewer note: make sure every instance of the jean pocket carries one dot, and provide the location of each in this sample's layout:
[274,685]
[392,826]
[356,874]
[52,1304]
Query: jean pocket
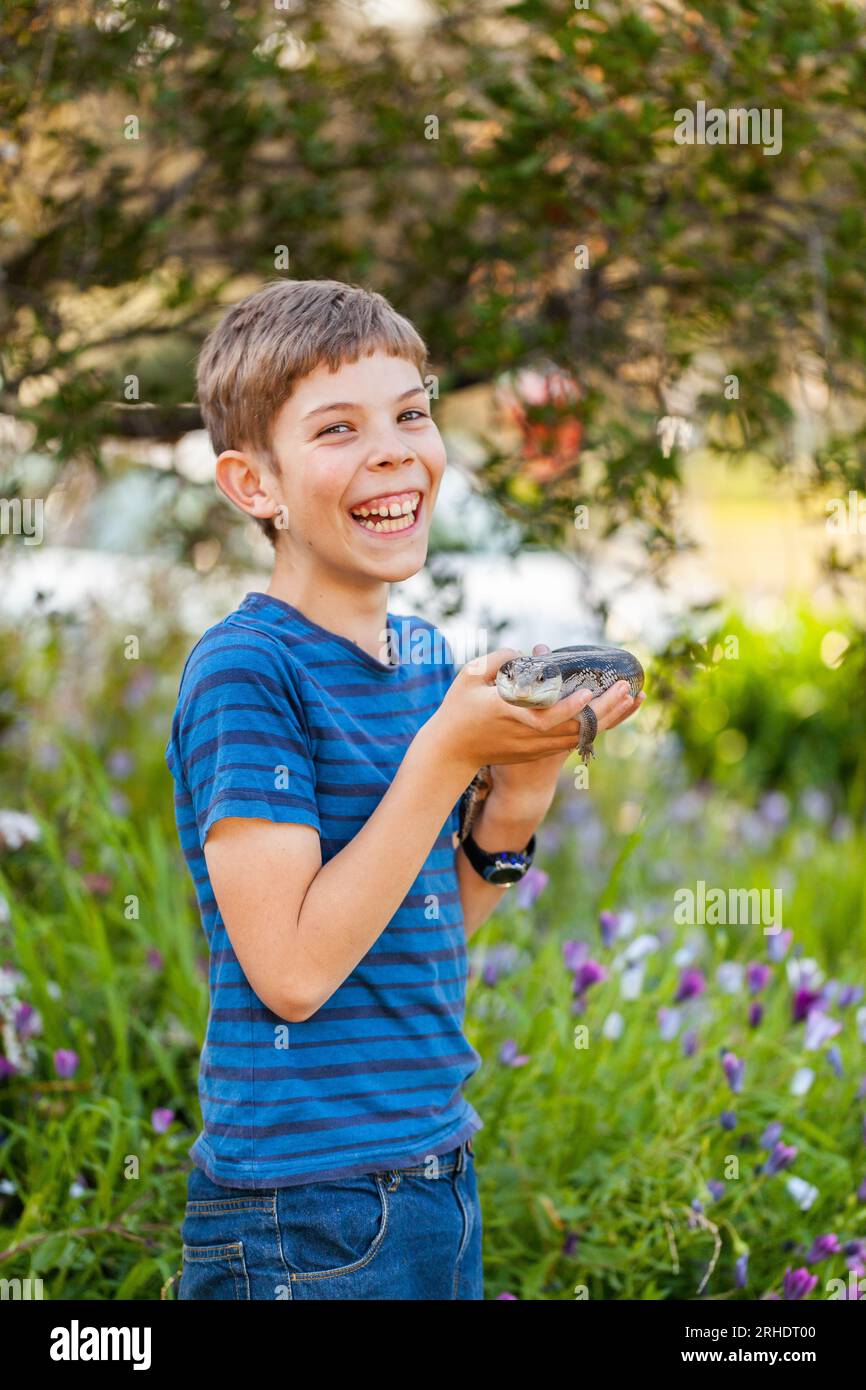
[216,1272]
[331,1229]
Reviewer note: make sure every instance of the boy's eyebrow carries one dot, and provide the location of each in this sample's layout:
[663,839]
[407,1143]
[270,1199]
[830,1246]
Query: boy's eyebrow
[353,405]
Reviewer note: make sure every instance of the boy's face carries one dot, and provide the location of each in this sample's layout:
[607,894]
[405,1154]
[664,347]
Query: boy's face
[359,437]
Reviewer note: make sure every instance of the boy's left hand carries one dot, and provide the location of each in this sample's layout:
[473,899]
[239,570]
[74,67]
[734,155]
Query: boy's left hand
[535,782]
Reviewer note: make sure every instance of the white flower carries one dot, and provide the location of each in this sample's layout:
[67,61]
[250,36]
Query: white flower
[861,1023]
[627,922]
[632,982]
[801,1081]
[17,829]
[10,980]
[612,1027]
[729,976]
[636,951]
[803,1192]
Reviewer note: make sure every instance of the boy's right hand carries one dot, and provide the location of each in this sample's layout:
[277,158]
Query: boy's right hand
[474,726]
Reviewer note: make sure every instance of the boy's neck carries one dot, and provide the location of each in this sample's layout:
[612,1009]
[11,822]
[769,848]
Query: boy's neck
[358,613]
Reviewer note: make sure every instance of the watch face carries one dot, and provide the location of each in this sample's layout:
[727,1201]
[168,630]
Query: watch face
[505,873]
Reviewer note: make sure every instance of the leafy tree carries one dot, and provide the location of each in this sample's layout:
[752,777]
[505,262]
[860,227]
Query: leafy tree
[508,174]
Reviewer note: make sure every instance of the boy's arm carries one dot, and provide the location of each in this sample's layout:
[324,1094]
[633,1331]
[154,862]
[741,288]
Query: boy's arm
[298,927]
[499,825]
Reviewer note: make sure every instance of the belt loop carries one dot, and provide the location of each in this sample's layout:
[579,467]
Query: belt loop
[461,1159]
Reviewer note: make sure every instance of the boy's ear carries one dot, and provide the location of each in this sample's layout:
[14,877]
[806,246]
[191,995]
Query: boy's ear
[247,482]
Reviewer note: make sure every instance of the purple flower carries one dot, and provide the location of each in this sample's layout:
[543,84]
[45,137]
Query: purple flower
[771,1136]
[154,959]
[27,1021]
[741,1270]
[757,976]
[855,1252]
[798,1283]
[574,953]
[8,1068]
[820,1028]
[781,1156]
[834,1057]
[669,1023]
[850,994]
[803,1002]
[692,983]
[609,923]
[510,1056]
[728,1119]
[65,1062]
[717,1188]
[756,1013]
[689,1042]
[822,1248]
[512,1296]
[589,973]
[778,944]
[121,763]
[570,1244]
[161,1119]
[528,888]
[498,960]
[775,809]
[861,1191]
[734,1069]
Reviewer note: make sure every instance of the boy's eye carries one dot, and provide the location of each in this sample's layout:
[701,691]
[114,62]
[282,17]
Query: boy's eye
[419,414]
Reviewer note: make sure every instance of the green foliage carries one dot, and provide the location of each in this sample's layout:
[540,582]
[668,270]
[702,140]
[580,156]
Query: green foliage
[781,709]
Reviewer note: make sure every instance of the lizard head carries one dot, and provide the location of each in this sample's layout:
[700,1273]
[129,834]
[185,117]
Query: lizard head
[529,680]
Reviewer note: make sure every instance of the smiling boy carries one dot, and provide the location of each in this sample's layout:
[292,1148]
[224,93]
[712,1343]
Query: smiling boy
[318,771]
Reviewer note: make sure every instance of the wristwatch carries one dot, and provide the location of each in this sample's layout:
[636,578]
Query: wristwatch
[503,868]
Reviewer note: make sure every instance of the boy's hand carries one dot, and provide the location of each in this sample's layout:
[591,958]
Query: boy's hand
[534,783]
[474,726]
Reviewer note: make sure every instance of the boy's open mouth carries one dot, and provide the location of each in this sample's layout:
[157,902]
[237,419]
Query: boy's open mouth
[393,513]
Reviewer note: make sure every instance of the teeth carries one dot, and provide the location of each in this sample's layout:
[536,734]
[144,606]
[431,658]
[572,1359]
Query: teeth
[401,523]
[395,516]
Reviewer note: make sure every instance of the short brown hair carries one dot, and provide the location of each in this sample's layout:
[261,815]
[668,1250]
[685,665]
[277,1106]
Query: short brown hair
[249,364]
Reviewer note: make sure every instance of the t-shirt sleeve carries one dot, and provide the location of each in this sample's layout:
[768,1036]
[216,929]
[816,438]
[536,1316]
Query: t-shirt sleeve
[239,741]
[449,671]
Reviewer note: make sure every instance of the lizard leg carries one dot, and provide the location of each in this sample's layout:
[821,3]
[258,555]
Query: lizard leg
[588,731]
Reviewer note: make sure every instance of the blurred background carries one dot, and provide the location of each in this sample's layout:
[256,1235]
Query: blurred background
[649,367]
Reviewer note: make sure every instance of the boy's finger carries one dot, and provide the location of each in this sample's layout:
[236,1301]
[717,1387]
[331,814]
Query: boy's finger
[568,708]
[487,664]
[633,705]
[611,702]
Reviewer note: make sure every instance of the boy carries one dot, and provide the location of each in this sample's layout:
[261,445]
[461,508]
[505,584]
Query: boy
[318,769]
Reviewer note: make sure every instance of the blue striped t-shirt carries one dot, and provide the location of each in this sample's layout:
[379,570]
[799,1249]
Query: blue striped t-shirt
[280,719]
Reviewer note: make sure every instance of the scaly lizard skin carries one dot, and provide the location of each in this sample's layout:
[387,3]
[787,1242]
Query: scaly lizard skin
[537,682]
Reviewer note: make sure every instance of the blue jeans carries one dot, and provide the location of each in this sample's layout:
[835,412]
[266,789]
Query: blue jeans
[412,1233]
